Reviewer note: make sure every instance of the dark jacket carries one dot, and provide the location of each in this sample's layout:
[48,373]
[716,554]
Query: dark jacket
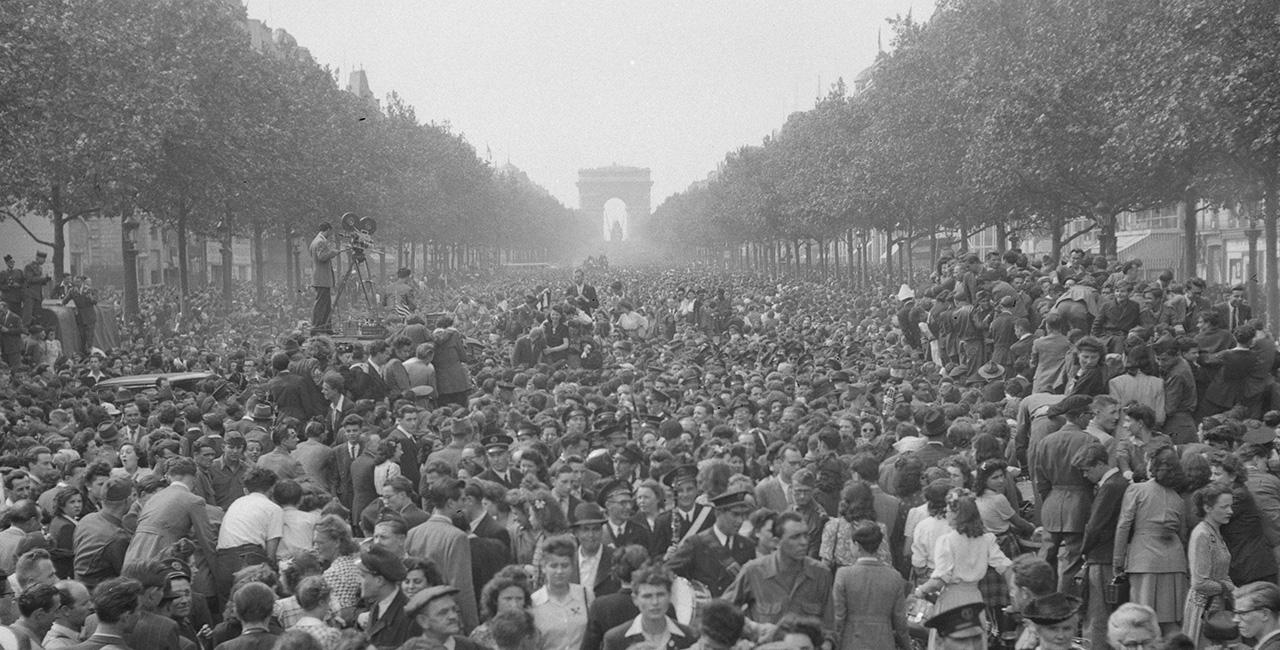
[605,613]
[702,558]
[296,396]
[1246,536]
[395,626]
[619,639]
[1104,517]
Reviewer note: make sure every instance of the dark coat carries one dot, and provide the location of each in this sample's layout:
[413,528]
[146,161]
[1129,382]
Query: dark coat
[605,613]
[395,626]
[1104,517]
[489,529]
[1246,536]
[450,362]
[604,583]
[255,639]
[618,639]
[1064,492]
[342,461]
[665,535]
[367,385]
[632,533]
[296,396]
[409,467]
[1224,312]
[704,559]
[488,557]
[363,491]
[514,474]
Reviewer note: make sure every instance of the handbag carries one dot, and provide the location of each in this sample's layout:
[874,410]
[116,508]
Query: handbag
[1117,593]
[919,610]
[1219,624]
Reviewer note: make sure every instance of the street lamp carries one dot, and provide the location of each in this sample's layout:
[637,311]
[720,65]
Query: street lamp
[129,247]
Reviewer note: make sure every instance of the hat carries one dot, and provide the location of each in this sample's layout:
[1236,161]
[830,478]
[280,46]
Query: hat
[577,410]
[424,597]
[418,391]
[1257,433]
[659,396]
[588,514]
[681,473]
[612,430]
[111,409]
[8,258]
[991,370]
[1052,608]
[804,477]
[960,622]
[731,498]
[631,452]
[905,293]
[650,422]
[958,372]
[742,402]
[609,487]
[263,411]
[107,432]
[935,423]
[1071,405]
[150,483]
[496,442]
[178,569]
[379,560]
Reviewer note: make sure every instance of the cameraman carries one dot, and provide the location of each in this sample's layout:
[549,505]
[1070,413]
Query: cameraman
[322,279]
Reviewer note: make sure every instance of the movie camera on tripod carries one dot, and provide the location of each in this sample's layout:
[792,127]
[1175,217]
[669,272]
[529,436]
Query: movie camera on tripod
[359,234]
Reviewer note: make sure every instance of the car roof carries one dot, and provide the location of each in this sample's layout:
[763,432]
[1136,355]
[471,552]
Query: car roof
[138,381]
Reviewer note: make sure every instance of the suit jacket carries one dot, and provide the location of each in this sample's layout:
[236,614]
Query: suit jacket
[1021,349]
[1246,535]
[1065,494]
[1224,311]
[296,396]
[605,613]
[604,580]
[450,362]
[409,467]
[514,479]
[1104,517]
[488,557]
[629,634]
[367,384]
[1153,523]
[489,529]
[588,299]
[170,515]
[153,632]
[342,460]
[632,533]
[441,542]
[363,491]
[870,607]
[395,626]
[704,559]
[319,462]
[255,639]
[770,494]
[372,514]
[322,254]
[665,535]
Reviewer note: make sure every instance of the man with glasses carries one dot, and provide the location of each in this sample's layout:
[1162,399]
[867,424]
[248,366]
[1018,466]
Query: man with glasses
[615,497]
[687,518]
[776,492]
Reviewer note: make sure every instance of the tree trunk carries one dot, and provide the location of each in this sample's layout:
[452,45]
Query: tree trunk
[58,216]
[933,250]
[130,264]
[227,253]
[964,240]
[259,265]
[184,274]
[1055,236]
[911,257]
[1002,235]
[1270,197]
[1190,249]
[1106,233]
[888,255]
[288,263]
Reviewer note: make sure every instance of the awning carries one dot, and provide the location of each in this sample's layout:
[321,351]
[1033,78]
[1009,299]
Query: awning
[1157,250]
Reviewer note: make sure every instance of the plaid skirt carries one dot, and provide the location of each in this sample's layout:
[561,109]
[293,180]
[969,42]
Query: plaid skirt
[994,590]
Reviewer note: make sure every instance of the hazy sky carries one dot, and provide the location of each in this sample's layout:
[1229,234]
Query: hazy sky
[559,86]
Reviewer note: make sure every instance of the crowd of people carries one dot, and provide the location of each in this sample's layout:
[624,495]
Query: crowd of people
[1004,452]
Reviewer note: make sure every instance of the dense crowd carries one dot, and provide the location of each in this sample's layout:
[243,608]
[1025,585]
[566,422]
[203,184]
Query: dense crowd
[1006,452]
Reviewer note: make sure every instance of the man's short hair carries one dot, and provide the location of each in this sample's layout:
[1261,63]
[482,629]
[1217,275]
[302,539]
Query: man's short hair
[254,602]
[396,525]
[39,597]
[115,598]
[1034,574]
[401,484]
[510,627]
[442,491]
[1090,455]
[287,493]
[28,564]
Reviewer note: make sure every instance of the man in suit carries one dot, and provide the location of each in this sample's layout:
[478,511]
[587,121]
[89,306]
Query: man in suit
[116,604]
[152,630]
[396,501]
[170,515]
[345,453]
[1064,492]
[294,396]
[318,460]
[86,300]
[1234,312]
[478,520]
[33,289]
[1116,317]
[1099,534]
[616,498]
[651,592]
[607,612]
[582,295]
[788,581]
[388,625]
[562,489]
[440,541]
[254,603]
[715,557]
[322,278]
[1049,355]
[337,403]
[687,518]
[363,489]
[775,492]
[497,449]
[406,424]
[593,562]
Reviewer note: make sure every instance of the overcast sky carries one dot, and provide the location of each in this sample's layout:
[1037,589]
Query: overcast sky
[554,87]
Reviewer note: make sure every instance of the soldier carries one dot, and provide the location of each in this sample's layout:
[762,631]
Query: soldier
[11,330]
[86,300]
[34,280]
[715,557]
[11,284]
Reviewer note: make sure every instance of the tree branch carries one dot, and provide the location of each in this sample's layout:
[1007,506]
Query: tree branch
[1082,231]
[9,214]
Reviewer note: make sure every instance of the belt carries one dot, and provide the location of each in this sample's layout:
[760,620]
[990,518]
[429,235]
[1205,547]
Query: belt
[242,549]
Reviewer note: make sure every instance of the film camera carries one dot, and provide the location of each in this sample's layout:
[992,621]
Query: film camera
[359,233]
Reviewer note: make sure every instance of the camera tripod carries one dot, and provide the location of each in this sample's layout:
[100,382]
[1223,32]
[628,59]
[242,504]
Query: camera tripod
[357,265]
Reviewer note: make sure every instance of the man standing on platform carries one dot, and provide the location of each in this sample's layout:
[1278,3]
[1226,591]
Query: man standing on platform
[86,300]
[33,288]
[322,278]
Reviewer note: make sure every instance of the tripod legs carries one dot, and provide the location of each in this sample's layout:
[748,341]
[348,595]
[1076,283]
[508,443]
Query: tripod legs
[359,268]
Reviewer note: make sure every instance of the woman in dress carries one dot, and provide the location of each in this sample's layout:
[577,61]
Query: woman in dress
[1149,539]
[313,600]
[968,563]
[1248,536]
[388,467]
[509,590]
[925,534]
[998,515]
[857,507]
[560,607]
[557,336]
[336,548]
[1210,561]
[67,506]
[129,460]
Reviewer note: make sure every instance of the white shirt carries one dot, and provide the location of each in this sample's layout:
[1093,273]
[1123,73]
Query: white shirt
[587,567]
[299,532]
[251,519]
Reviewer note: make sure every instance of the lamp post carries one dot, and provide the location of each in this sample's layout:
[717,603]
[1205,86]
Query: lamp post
[1251,275]
[129,247]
